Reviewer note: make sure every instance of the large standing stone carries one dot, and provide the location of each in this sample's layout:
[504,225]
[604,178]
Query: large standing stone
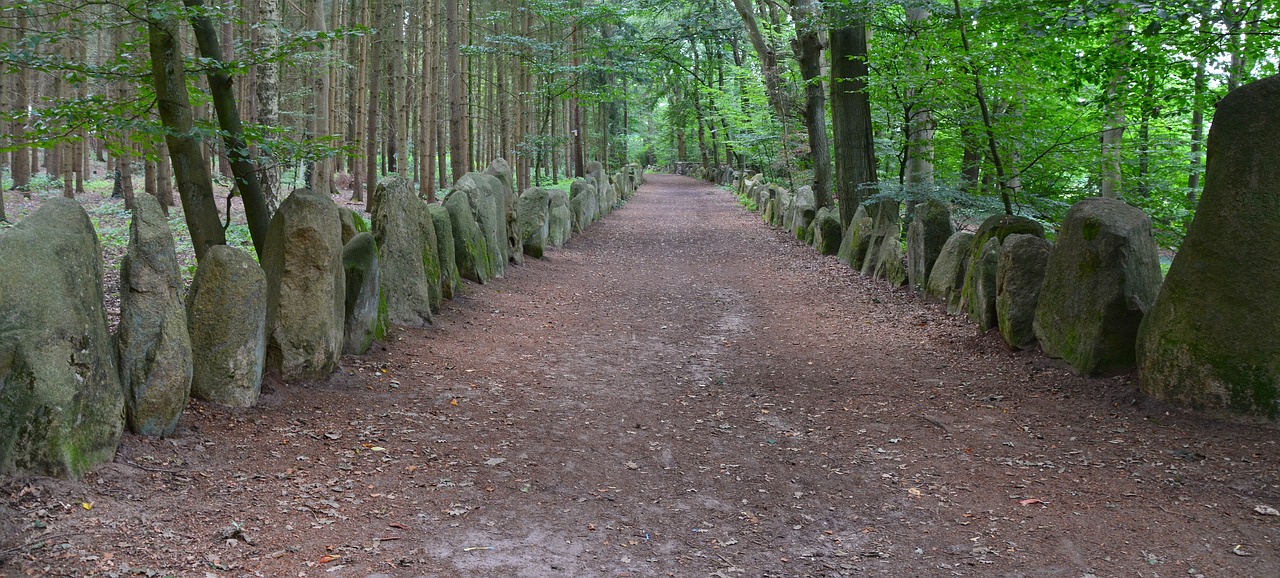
[995,227]
[594,172]
[61,405]
[501,169]
[802,212]
[1211,341]
[1102,277]
[534,208]
[360,263]
[470,246]
[826,231]
[949,271]
[982,309]
[928,232]
[583,204]
[152,339]
[227,318]
[559,218]
[393,208]
[1020,274]
[306,287]
[488,204]
[430,253]
[890,264]
[446,253]
[853,244]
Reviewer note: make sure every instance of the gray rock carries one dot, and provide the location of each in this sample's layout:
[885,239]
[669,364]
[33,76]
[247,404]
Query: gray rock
[802,212]
[1102,277]
[928,232]
[983,276]
[61,404]
[559,218]
[583,204]
[470,246]
[402,272]
[949,271]
[858,231]
[360,312]
[890,264]
[535,207]
[994,227]
[227,319]
[152,340]
[827,232]
[501,169]
[488,205]
[450,279]
[1210,341]
[306,287]
[1023,260]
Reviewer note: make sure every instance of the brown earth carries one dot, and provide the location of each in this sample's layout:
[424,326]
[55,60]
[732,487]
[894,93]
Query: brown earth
[681,391]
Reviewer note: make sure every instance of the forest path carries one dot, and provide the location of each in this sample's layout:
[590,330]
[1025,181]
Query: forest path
[681,391]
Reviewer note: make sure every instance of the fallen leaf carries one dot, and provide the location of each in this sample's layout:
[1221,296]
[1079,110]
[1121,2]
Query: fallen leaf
[1029,501]
[86,505]
[494,461]
[377,449]
[453,402]
[327,558]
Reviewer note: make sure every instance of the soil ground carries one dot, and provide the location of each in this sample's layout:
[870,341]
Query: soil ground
[681,391]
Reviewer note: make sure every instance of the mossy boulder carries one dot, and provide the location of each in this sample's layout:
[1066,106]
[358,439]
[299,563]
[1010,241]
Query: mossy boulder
[983,277]
[445,252]
[360,263]
[946,278]
[152,340]
[929,230]
[559,218]
[1019,275]
[470,246]
[782,199]
[827,232]
[501,170]
[535,206]
[61,404]
[890,264]
[306,287]
[583,204]
[227,319]
[1210,341]
[394,210]
[488,205]
[1102,277]
[853,243]
[994,227]
[882,232]
[802,212]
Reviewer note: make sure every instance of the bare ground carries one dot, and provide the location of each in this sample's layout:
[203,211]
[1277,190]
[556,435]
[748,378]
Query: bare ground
[681,391]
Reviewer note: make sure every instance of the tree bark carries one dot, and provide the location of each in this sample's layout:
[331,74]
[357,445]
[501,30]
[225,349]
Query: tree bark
[854,142]
[458,147]
[809,41]
[768,58]
[980,95]
[322,169]
[194,185]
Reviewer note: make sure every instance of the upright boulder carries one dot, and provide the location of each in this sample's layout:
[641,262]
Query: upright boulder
[227,318]
[470,246]
[501,170]
[398,234]
[583,204]
[928,232]
[890,265]
[306,287]
[853,243]
[61,404]
[559,218]
[1019,275]
[488,204]
[445,251]
[946,278]
[1102,277]
[802,212]
[995,227]
[594,174]
[827,231]
[1210,341]
[982,309]
[152,340]
[360,311]
[534,208]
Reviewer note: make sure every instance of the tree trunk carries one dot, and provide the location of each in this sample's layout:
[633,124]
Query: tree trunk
[371,114]
[458,147]
[189,166]
[854,142]
[768,58]
[322,169]
[267,87]
[809,41]
[224,102]
[980,95]
[1197,132]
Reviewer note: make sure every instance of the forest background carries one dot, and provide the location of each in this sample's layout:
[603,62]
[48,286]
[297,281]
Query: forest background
[1024,106]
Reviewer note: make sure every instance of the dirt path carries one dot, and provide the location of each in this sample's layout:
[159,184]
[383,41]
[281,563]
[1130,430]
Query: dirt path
[686,392]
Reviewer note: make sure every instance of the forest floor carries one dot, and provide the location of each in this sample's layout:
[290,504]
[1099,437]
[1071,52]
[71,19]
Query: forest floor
[681,391]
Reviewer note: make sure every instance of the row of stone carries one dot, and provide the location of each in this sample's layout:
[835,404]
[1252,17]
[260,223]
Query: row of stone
[328,284]
[1203,339]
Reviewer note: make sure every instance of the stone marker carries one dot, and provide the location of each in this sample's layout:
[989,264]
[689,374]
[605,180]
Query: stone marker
[994,227]
[854,241]
[227,319]
[534,208]
[949,271]
[827,232]
[1212,340]
[501,169]
[450,279]
[152,339]
[488,205]
[360,304]
[470,247]
[402,272]
[306,287]
[1102,276]
[928,232]
[1019,275]
[559,218]
[61,404]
